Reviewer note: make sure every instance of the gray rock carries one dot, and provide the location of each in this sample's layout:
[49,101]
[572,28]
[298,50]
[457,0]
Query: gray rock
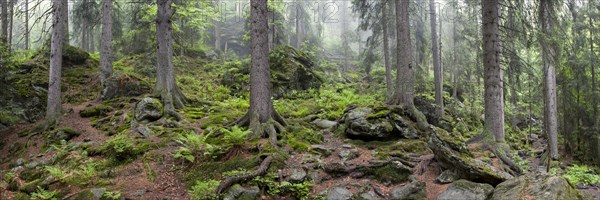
[413,190]
[463,189]
[98,192]
[237,192]
[348,154]
[339,193]
[377,124]
[370,196]
[297,175]
[62,134]
[123,86]
[20,162]
[536,186]
[148,110]
[447,176]
[452,153]
[323,150]
[324,124]
[144,131]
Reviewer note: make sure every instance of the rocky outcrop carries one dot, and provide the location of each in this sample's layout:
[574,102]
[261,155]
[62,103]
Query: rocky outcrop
[148,110]
[291,70]
[463,189]
[414,190]
[124,86]
[536,186]
[452,153]
[378,123]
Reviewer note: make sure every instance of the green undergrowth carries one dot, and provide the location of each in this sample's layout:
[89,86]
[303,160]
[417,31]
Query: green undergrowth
[579,175]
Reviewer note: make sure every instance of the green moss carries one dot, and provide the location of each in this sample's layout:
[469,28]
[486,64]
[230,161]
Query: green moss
[95,111]
[388,173]
[213,170]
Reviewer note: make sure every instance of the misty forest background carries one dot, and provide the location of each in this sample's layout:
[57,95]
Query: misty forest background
[214,98]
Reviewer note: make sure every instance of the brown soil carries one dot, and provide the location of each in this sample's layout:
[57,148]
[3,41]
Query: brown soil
[427,171]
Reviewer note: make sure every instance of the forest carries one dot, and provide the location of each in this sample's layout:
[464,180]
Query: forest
[299,99]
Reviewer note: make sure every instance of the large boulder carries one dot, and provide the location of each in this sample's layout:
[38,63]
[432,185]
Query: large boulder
[291,70]
[463,189]
[414,190]
[339,193]
[124,86]
[148,110]
[378,123]
[452,153]
[536,186]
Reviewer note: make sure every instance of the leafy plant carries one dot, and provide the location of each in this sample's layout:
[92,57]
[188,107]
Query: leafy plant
[204,190]
[120,148]
[111,195]
[56,172]
[42,194]
[194,146]
[581,175]
[236,136]
[298,190]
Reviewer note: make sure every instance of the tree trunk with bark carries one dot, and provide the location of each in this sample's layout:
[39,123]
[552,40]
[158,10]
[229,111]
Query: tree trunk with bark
[549,53]
[166,86]
[262,117]
[404,74]
[386,54]
[54,106]
[65,14]
[494,105]
[11,13]
[437,70]
[106,51]
[4,21]
[84,28]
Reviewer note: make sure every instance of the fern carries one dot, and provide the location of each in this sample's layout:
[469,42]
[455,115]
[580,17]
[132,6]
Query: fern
[236,136]
[42,194]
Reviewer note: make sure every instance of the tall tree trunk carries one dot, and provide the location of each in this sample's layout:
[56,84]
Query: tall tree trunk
[592,68]
[4,21]
[166,86]
[261,105]
[454,62]
[386,53]
[54,106]
[106,51]
[494,105]
[437,70]
[405,80]
[26,24]
[513,62]
[549,53]
[91,45]
[84,28]
[65,13]
[299,37]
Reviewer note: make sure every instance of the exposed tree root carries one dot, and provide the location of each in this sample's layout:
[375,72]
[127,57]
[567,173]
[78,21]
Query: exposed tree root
[497,149]
[229,181]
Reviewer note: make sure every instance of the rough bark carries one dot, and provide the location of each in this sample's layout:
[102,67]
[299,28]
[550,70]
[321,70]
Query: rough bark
[84,28]
[65,14]
[386,54]
[405,80]
[494,105]
[166,86]
[437,70]
[299,31]
[54,106]
[549,53]
[4,20]
[91,46]
[106,51]
[11,13]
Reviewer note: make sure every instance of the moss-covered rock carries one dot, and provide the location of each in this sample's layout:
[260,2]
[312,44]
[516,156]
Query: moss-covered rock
[291,70]
[124,86]
[95,111]
[379,123]
[536,186]
[59,134]
[452,153]
[148,110]
[463,189]
[91,194]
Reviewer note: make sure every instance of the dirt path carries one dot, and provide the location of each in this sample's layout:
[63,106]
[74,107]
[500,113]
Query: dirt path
[82,125]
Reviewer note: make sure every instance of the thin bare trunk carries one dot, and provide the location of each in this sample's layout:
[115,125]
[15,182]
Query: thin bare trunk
[65,14]
[454,62]
[4,20]
[106,51]
[84,28]
[549,53]
[494,105]
[437,70]
[54,106]
[386,55]
[10,26]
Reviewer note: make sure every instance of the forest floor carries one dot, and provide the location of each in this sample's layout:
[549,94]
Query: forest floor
[160,176]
